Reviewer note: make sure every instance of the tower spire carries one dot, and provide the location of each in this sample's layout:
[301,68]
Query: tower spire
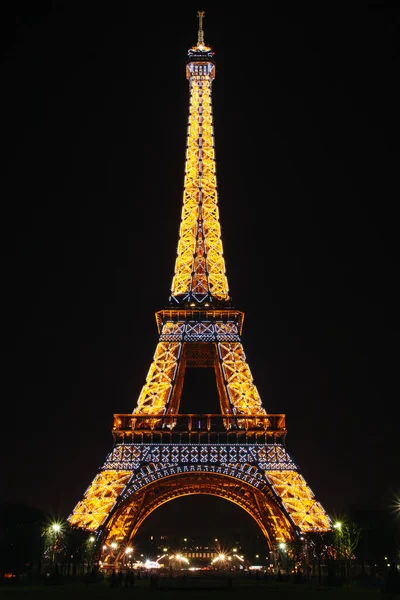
[200,36]
[200,277]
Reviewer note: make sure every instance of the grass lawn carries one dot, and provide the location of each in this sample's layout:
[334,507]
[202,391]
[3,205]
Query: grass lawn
[243,590]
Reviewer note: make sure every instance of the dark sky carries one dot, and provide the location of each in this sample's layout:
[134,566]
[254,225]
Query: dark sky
[95,105]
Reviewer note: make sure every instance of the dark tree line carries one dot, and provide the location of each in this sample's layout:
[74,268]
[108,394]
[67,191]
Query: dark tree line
[30,547]
[21,540]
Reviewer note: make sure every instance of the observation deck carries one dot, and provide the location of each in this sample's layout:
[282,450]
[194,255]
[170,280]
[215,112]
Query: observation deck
[199,428]
[201,315]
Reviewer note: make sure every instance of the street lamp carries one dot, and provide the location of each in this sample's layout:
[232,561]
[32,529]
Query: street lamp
[55,529]
[179,559]
[90,547]
[128,555]
[338,543]
[282,548]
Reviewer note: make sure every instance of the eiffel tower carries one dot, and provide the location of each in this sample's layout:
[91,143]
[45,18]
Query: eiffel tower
[160,454]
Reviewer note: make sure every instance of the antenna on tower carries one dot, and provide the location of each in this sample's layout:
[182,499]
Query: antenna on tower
[200,37]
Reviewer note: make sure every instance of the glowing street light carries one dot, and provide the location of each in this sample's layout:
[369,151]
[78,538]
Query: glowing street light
[179,558]
[338,544]
[221,556]
[55,529]
[90,548]
[128,555]
[282,548]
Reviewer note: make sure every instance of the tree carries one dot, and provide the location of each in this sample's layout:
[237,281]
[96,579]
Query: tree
[317,551]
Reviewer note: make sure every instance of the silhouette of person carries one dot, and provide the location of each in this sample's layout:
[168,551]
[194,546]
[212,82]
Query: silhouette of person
[114,581]
[120,578]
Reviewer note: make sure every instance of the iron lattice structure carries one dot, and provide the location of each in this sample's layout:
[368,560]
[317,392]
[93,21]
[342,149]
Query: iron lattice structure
[160,454]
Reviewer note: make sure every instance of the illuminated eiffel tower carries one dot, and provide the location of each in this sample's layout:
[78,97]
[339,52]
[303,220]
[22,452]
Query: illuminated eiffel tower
[160,454]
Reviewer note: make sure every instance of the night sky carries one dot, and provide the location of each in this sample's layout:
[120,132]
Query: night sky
[94,116]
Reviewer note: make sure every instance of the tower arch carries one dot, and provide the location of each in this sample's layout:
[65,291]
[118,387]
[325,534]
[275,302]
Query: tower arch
[131,512]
